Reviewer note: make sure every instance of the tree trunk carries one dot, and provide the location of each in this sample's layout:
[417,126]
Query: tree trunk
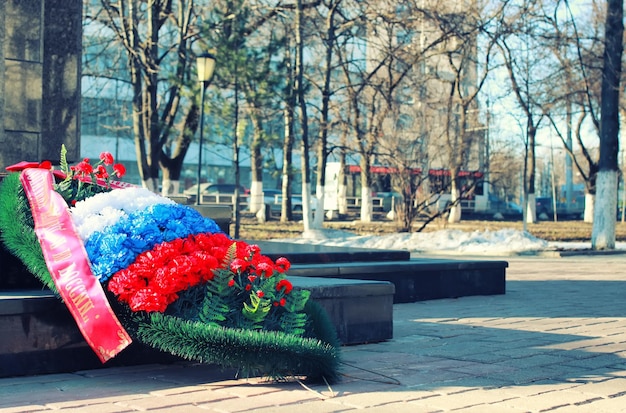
[151,114]
[304,123]
[323,135]
[603,232]
[286,213]
[455,197]
[342,190]
[531,130]
[255,201]
[590,200]
[172,166]
[366,191]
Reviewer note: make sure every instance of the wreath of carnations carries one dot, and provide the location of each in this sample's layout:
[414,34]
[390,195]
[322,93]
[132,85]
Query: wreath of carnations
[178,283]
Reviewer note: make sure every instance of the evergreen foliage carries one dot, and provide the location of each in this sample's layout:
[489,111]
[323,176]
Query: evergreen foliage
[16,229]
[253,352]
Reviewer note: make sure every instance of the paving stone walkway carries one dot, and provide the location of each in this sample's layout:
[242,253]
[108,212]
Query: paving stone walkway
[556,342]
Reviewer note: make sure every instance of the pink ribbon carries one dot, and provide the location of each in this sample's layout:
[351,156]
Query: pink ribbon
[69,266]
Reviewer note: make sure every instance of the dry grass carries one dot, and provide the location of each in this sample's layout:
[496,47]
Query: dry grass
[548,230]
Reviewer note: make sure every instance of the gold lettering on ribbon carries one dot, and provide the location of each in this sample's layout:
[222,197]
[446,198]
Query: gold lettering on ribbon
[76,291]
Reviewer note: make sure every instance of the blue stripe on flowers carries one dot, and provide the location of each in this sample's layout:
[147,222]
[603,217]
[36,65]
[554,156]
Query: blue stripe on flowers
[118,245]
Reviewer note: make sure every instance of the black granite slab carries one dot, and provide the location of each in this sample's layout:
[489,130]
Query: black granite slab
[420,279]
[13,273]
[40,336]
[318,254]
[361,310]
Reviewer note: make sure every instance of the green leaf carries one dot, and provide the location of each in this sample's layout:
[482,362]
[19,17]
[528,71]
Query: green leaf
[257,310]
[296,300]
[293,323]
[63,163]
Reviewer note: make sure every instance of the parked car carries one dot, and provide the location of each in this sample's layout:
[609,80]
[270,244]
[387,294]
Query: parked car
[544,206]
[503,206]
[213,189]
[210,188]
[273,198]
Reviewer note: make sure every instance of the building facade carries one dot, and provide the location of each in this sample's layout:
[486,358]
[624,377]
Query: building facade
[39,79]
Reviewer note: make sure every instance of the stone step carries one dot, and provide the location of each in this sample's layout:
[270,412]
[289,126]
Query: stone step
[420,279]
[39,335]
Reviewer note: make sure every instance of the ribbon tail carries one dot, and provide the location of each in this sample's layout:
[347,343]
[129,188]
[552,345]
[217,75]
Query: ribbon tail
[70,268]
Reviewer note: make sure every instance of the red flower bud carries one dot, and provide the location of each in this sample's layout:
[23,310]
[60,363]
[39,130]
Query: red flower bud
[45,165]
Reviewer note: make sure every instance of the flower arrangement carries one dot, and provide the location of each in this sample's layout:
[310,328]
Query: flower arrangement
[173,278]
[84,180]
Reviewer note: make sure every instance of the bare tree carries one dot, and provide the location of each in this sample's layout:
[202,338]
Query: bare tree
[576,98]
[157,38]
[246,47]
[527,82]
[334,23]
[374,81]
[462,129]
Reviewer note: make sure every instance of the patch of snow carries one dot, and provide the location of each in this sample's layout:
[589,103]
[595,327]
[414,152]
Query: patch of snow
[501,242]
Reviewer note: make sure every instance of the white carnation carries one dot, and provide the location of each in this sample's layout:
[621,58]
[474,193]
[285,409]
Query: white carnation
[105,209]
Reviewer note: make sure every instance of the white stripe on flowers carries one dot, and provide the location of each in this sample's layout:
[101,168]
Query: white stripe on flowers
[105,209]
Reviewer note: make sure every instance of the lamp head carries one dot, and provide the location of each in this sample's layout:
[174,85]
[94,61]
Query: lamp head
[206,66]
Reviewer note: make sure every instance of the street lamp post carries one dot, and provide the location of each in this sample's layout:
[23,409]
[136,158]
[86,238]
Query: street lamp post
[206,67]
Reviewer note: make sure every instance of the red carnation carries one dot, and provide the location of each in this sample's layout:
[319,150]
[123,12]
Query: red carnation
[284,284]
[239,265]
[119,170]
[282,264]
[107,158]
[101,172]
[84,167]
[253,249]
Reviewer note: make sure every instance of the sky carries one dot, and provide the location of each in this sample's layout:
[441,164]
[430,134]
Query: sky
[488,243]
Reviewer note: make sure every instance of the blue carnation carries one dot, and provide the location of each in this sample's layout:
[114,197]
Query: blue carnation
[117,246]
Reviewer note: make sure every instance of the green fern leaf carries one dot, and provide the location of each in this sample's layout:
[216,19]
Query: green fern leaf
[214,311]
[257,310]
[293,323]
[63,163]
[296,300]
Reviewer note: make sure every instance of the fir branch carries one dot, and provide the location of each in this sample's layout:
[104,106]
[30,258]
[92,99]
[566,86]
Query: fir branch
[269,353]
[320,324]
[17,229]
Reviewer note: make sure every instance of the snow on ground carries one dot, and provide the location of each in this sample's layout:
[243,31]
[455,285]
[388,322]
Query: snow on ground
[501,242]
